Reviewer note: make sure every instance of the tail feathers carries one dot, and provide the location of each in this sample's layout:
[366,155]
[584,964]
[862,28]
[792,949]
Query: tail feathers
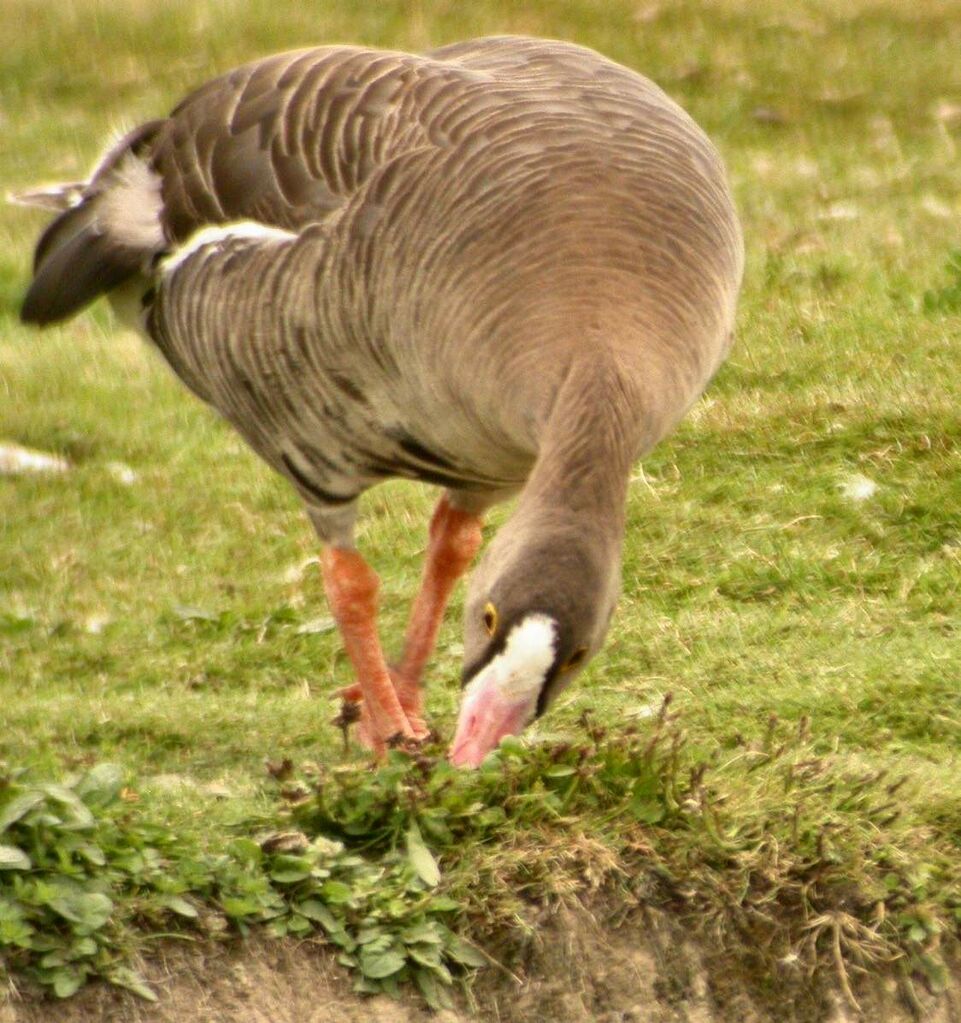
[113,232]
[76,262]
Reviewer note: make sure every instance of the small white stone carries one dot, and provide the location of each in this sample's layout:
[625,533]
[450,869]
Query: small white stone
[296,572]
[216,790]
[840,211]
[937,207]
[122,473]
[857,487]
[645,710]
[95,624]
[315,626]
[15,459]
[169,783]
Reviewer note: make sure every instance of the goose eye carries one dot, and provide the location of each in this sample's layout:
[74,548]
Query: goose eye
[575,659]
[490,619]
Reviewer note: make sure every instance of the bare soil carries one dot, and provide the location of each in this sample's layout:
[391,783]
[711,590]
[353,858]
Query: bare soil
[572,970]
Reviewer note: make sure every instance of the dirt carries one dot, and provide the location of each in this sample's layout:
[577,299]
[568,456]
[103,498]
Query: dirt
[572,970]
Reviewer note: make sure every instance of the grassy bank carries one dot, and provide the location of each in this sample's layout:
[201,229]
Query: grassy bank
[793,551]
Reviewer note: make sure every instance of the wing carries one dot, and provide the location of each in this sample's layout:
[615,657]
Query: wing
[287,140]
[284,141]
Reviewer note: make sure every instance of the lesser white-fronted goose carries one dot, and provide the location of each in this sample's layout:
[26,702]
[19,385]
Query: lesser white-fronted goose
[507,266]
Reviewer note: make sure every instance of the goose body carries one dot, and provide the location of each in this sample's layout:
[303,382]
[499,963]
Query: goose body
[507,266]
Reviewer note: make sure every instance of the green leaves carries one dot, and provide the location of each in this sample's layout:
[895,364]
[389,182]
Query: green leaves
[180,906]
[378,910]
[337,893]
[19,807]
[465,953]
[88,910]
[66,981]
[66,858]
[12,858]
[101,785]
[376,964]
[315,910]
[289,869]
[123,976]
[71,811]
[385,901]
[15,931]
[421,858]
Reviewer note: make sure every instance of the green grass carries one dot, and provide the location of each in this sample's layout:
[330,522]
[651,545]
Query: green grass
[159,624]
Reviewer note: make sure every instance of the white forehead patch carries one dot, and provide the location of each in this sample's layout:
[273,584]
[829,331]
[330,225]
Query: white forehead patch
[210,237]
[522,665]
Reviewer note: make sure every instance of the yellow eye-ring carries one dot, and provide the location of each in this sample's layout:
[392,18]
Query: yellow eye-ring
[490,619]
[575,659]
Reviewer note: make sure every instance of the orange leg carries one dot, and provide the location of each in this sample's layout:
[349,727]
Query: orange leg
[455,537]
[351,587]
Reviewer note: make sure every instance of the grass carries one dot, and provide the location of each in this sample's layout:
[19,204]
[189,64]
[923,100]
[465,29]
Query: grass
[171,624]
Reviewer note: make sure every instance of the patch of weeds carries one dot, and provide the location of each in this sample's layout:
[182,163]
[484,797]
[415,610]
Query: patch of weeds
[776,849]
[208,623]
[771,846]
[947,298]
[13,623]
[380,912]
[516,788]
[65,859]
[83,880]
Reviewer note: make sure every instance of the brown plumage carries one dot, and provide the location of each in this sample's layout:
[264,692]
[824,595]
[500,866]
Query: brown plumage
[507,266]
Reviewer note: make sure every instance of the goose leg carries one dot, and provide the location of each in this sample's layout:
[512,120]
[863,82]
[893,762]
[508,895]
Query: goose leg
[454,539]
[351,586]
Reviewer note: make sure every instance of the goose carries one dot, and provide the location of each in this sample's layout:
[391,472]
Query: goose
[506,268]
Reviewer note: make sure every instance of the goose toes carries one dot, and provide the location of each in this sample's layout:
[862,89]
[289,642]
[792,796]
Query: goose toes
[408,733]
[353,709]
[411,698]
[350,694]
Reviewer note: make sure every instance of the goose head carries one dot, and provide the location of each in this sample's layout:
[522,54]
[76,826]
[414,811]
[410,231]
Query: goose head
[536,612]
